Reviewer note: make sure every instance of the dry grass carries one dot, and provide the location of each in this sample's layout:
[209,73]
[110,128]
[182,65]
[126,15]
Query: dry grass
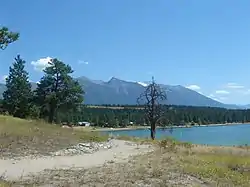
[20,137]
[139,171]
[172,164]
[225,169]
[5,183]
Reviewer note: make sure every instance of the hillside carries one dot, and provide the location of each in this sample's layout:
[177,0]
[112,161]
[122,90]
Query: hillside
[116,91]
[39,137]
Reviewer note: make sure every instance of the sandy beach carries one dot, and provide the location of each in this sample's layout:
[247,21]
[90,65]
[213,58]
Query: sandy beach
[167,127]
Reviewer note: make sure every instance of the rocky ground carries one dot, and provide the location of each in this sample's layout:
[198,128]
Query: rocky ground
[85,148]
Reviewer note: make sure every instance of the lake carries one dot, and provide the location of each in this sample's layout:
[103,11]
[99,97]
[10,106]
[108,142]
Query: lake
[227,135]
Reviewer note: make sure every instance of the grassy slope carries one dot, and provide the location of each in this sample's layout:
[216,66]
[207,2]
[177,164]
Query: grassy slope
[20,137]
[172,164]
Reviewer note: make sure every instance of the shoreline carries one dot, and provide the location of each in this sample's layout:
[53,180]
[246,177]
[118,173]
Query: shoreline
[167,127]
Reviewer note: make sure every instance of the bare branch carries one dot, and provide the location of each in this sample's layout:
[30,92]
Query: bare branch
[152,99]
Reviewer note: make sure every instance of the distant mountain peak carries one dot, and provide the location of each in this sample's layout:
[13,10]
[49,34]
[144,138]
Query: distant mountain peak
[117,91]
[113,79]
[117,80]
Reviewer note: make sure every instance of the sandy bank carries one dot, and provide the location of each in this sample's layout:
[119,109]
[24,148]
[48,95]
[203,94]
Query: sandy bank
[167,127]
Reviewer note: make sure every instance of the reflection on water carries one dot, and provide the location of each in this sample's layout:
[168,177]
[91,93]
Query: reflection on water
[170,130]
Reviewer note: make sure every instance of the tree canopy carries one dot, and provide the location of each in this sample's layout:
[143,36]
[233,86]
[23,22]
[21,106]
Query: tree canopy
[108,115]
[57,91]
[18,95]
[7,37]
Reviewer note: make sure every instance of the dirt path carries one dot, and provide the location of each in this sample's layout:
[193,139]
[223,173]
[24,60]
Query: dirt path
[16,169]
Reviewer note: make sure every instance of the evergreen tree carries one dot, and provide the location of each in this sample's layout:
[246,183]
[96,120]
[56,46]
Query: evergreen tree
[18,95]
[1,106]
[57,91]
[7,37]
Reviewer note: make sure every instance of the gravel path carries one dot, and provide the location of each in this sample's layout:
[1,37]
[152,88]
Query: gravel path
[119,152]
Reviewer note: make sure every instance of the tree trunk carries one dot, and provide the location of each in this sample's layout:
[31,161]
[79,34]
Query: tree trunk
[51,114]
[152,132]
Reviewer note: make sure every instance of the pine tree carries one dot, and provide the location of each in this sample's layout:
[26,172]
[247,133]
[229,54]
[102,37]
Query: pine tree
[7,37]
[18,95]
[57,91]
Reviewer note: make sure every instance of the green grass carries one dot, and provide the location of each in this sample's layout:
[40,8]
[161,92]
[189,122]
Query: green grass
[224,169]
[21,137]
[221,166]
[4,184]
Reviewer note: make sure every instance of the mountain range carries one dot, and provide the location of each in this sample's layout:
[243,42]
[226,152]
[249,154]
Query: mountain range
[117,91]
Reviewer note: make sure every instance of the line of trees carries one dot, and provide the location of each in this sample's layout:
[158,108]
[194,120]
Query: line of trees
[57,92]
[114,116]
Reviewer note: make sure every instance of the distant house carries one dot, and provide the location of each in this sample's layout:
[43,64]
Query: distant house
[83,123]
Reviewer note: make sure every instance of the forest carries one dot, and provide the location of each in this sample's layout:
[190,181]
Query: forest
[122,116]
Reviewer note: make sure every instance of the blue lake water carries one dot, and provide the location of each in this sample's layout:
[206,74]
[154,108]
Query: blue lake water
[213,135]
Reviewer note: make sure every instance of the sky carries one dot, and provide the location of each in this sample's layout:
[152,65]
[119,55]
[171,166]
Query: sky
[202,45]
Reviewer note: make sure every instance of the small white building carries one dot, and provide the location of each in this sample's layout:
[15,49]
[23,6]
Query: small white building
[84,123]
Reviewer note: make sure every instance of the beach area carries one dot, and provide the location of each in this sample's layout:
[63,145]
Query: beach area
[158,127]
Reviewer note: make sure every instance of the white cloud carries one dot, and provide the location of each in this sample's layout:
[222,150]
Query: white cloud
[233,85]
[41,64]
[193,87]
[83,62]
[222,92]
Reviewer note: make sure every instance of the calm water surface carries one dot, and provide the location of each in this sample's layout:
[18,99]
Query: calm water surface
[213,135]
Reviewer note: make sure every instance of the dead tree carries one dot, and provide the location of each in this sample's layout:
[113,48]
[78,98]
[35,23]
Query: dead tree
[152,99]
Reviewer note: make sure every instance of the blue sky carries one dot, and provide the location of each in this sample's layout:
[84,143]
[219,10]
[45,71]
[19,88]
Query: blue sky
[204,45]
